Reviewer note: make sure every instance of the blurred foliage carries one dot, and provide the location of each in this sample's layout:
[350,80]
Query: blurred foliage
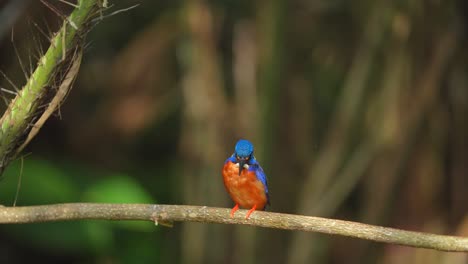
[44,183]
[357,111]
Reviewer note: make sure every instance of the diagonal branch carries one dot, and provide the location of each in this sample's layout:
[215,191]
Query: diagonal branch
[22,110]
[185,213]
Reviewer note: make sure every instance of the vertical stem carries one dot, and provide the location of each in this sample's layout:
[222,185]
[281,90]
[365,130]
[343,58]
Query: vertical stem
[272,16]
[202,134]
[330,158]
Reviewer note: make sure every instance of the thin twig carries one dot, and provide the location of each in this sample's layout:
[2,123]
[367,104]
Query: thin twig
[18,185]
[184,213]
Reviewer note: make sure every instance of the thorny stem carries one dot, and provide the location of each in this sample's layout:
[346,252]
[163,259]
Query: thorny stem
[15,121]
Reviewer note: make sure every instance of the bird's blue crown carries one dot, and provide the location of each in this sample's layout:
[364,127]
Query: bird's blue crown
[243,148]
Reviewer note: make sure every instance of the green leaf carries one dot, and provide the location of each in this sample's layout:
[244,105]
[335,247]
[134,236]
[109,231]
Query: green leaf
[41,182]
[120,188]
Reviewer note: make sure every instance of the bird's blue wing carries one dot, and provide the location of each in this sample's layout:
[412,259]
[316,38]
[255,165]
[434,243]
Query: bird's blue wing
[262,177]
[231,159]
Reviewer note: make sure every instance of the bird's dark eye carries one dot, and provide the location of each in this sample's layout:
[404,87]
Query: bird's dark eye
[242,158]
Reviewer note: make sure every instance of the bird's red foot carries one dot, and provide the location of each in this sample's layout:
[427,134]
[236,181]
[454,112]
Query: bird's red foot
[234,209]
[250,211]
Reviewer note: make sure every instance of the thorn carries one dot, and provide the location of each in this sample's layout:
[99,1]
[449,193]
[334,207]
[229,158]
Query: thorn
[9,80]
[8,91]
[23,69]
[116,12]
[72,24]
[70,4]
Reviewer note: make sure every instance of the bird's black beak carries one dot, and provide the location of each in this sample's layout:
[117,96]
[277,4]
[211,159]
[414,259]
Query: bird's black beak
[241,165]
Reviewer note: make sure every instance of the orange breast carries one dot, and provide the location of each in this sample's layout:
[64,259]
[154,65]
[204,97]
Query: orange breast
[245,189]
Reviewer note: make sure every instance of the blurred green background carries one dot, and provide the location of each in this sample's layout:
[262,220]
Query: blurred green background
[358,111]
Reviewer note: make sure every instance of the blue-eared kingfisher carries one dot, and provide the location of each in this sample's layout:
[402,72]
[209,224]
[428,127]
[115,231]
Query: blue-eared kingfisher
[245,180]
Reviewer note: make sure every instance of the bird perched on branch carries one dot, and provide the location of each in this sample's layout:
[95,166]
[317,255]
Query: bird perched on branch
[245,180]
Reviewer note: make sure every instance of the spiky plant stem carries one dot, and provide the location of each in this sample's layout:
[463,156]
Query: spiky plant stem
[14,124]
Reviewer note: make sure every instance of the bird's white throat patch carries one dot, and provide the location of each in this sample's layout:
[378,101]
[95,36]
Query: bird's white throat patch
[246,166]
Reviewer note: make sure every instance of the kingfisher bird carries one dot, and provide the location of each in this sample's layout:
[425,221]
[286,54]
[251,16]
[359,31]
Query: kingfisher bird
[245,180]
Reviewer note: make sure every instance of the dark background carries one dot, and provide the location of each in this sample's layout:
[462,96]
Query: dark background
[357,109]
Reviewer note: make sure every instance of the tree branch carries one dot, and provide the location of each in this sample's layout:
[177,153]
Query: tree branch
[185,213]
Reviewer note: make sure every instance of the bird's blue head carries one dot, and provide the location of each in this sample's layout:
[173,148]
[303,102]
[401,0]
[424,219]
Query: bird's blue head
[243,152]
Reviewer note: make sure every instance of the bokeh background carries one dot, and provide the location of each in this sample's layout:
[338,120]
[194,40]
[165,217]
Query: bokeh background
[358,111]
